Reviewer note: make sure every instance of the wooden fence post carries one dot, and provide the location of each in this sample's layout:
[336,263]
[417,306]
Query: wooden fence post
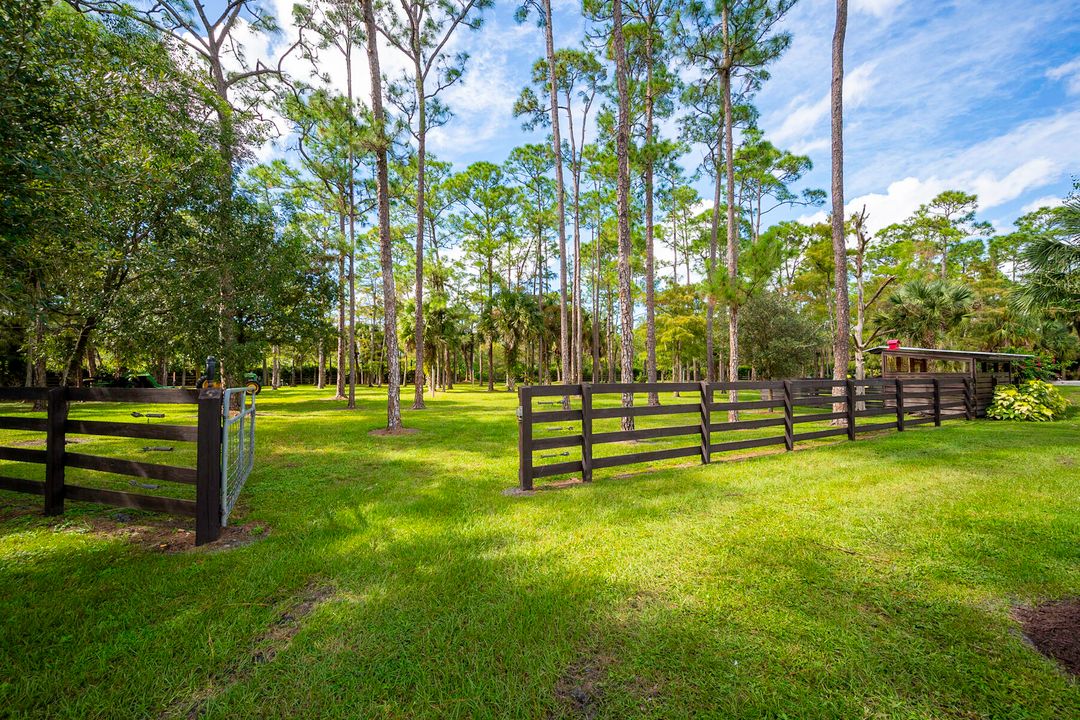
[789,418]
[705,419]
[900,405]
[208,468]
[55,438]
[937,402]
[971,397]
[525,478]
[586,432]
[850,408]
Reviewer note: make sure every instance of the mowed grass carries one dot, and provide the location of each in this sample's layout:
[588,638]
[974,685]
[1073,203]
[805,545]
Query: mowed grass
[865,579]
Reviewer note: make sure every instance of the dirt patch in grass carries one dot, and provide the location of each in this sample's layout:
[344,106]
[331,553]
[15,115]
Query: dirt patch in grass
[19,505]
[383,432]
[579,691]
[1054,629]
[561,484]
[647,691]
[653,470]
[287,624]
[264,649]
[645,598]
[150,531]
[162,533]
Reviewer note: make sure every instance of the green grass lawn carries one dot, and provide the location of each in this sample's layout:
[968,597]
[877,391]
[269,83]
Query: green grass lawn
[866,579]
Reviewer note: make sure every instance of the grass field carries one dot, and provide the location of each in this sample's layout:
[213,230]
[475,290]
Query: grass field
[395,579]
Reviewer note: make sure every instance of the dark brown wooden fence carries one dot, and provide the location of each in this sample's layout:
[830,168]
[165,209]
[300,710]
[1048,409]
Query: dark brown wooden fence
[712,409]
[206,476]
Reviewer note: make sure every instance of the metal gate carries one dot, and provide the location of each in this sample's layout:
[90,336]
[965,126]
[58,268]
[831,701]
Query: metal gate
[237,446]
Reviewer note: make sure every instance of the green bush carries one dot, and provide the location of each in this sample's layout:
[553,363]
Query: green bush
[1034,401]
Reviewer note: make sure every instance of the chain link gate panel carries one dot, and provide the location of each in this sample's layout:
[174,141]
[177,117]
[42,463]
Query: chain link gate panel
[237,447]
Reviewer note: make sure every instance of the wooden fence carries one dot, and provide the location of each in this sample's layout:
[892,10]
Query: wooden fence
[784,405]
[205,476]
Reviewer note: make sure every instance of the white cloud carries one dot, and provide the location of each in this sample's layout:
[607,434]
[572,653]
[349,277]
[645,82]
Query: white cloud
[1030,156]
[808,147]
[877,8]
[858,84]
[482,102]
[994,191]
[804,118]
[1070,73]
[897,202]
[1045,201]
[813,218]
[903,197]
[801,121]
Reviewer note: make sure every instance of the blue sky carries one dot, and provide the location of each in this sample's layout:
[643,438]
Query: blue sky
[977,95]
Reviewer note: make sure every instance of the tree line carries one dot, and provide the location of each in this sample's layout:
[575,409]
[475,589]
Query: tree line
[140,232]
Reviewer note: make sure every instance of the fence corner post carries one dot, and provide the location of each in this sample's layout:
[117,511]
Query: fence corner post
[937,402]
[586,432]
[900,405]
[56,406]
[789,418]
[208,467]
[525,479]
[849,406]
[705,420]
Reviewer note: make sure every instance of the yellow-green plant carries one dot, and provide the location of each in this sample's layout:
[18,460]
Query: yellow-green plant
[1033,401]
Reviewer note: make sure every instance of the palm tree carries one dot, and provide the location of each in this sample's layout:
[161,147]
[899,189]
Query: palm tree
[512,316]
[1052,280]
[923,311]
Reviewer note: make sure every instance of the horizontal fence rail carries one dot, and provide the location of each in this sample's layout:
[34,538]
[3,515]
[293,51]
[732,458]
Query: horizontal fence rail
[702,410]
[206,508]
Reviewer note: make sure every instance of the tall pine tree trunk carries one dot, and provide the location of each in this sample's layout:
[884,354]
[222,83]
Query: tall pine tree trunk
[596,310]
[710,306]
[732,228]
[841,345]
[352,240]
[610,335]
[342,342]
[275,381]
[421,155]
[560,191]
[650,260]
[322,365]
[386,260]
[579,345]
[622,153]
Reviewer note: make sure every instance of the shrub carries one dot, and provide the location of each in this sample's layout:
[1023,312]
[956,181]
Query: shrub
[1033,401]
[1044,367]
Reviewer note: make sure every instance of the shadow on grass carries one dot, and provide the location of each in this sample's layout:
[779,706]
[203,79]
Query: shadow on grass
[838,583]
[823,633]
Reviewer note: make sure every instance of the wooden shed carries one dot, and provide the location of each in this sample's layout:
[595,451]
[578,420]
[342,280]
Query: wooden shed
[986,369]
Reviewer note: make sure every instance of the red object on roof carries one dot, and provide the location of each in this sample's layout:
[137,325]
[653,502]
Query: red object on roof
[894,344]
